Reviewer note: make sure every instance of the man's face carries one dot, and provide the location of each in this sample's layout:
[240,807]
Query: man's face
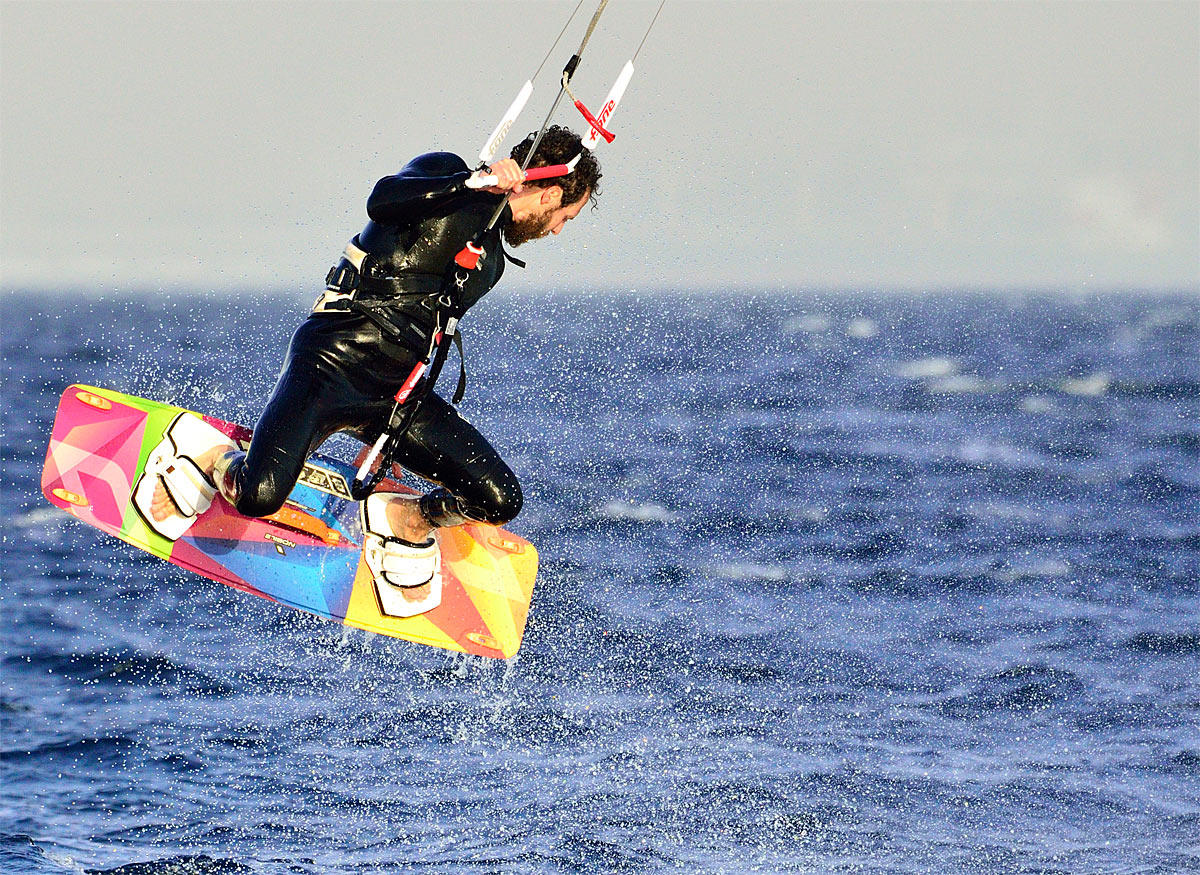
[550,219]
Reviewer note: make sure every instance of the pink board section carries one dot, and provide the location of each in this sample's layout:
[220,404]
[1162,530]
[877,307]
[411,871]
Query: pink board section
[106,475]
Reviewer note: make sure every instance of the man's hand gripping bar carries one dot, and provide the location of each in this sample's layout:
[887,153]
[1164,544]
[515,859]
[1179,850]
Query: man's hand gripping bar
[479,179]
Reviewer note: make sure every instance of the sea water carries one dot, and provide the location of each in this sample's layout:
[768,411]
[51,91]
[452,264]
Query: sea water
[829,583]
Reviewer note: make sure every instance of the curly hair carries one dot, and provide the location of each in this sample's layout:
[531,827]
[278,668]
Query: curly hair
[558,146]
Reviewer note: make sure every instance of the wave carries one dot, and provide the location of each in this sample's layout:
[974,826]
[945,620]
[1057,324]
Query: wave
[1019,689]
[628,511]
[992,451]
[1157,390]
[862,328]
[1187,762]
[809,323]
[105,748]
[1032,568]
[963,384]
[198,864]
[40,517]
[1108,716]
[752,571]
[935,366]
[942,375]
[1038,404]
[123,666]
[22,853]
[1090,386]
[1164,643]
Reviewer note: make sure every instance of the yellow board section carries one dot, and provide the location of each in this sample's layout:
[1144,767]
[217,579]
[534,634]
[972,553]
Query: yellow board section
[486,595]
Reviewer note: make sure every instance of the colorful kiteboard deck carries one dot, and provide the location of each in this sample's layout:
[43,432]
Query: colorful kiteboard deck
[308,556]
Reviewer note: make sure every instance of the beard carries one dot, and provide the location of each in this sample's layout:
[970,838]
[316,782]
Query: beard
[516,233]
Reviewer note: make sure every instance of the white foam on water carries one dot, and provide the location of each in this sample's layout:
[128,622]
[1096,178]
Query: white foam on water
[750,571]
[862,328]
[41,516]
[1037,404]
[985,450]
[808,323]
[638,513]
[1172,532]
[962,384]
[1049,567]
[1090,386]
[811,514]
[1005,510]
[935,366]
[60,858]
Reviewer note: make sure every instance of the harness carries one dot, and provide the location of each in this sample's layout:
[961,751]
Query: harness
[352,287]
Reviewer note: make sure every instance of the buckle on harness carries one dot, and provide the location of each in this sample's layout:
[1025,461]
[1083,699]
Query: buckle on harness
[343,278]
[341,288]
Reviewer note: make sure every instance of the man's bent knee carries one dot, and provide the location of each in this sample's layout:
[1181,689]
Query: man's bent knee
[504,504]
[495,503]
[263,504]
[252,497]
[495,500]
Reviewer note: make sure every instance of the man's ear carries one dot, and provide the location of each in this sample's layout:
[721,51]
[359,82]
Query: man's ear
[552,194]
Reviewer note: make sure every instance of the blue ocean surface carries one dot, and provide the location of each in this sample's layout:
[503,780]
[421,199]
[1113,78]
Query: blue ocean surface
[830,583]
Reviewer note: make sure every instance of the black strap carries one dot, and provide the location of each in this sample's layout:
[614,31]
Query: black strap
[439,359]
[461,388]
[402,414]
[398,422]
[344,278]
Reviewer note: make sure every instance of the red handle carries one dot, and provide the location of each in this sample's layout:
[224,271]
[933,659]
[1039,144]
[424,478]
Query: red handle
[548,171]
[410,383]
[591,120]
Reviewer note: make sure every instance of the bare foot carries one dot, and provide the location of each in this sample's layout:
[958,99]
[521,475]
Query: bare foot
[415,593]
[406,521]
[162,506]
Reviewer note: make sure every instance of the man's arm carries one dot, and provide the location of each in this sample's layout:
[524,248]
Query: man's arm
[426,181]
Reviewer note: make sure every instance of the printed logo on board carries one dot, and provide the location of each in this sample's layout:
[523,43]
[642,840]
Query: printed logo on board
[279,542]
[322,480]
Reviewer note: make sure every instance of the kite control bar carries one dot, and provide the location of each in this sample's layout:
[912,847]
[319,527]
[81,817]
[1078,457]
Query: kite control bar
[477,180]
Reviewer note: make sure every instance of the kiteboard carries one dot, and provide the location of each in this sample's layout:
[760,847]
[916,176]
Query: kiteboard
[308,556]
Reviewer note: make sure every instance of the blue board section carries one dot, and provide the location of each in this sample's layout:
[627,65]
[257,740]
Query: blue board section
[316,578]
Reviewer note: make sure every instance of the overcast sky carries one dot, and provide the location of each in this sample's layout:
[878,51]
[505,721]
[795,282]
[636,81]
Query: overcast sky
[761,145]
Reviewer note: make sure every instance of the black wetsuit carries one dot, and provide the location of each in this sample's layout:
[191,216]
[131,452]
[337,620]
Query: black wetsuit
[343,368]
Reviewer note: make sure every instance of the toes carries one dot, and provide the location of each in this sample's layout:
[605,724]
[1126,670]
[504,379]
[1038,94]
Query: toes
[416,593]
[161,504]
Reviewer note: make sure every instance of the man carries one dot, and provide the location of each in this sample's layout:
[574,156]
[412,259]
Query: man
[385,303]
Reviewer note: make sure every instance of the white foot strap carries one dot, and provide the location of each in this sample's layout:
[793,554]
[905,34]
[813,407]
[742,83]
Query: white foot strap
[172,464]
[399,566]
